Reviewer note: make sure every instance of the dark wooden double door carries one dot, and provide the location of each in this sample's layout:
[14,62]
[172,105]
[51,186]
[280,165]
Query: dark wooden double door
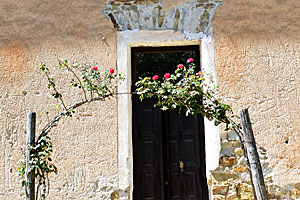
[169,159]
[168,147]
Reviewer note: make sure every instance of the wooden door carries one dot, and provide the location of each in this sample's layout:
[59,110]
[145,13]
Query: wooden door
[184,159]
[168,147]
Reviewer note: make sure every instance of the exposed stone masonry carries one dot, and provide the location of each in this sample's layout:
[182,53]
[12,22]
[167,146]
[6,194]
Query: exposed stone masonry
[193,16]
[231,180]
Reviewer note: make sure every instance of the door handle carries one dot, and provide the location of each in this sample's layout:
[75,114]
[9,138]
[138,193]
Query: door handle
[181,165]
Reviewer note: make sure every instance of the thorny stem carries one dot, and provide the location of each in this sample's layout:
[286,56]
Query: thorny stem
[78,79]
[54,88]
[51,124]
[42,191]
[235,126]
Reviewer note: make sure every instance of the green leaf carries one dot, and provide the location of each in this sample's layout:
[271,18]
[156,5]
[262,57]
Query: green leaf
[164,108]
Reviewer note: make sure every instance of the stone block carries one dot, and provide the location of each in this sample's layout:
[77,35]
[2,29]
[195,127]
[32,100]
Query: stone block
[232,136]
[275,191]
[135,12]
[232,196]
[245,191]
[227,160]
[209,5]
[294,193]
[146,1]
[114,196]
[218,197]
[223,176]
[236,144]
[224,137]
[226,149]
[238,151]
[297,186]
[122,1]
[240,168]
[241,161]
[245,177]
[220,189]
[115,4]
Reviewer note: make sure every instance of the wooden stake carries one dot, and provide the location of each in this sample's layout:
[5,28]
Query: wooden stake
[255,166]
[30,141]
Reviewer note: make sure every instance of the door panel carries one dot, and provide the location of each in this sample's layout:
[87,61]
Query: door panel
[147,152]
[161,140]
[158,150]
[183,145]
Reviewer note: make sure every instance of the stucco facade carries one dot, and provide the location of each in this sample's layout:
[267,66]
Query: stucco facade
[257,49]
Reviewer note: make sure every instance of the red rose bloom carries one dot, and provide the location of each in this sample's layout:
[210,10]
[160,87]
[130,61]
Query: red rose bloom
[155,77]
[167,75]
[95,68]
[180,66]
[111,70]
[199,73]
[190,60]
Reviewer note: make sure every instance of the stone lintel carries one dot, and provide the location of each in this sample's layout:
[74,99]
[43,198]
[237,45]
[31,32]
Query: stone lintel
[193,16]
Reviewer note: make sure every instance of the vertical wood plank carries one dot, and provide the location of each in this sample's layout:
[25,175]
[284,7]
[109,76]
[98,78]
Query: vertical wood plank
[256,171]
[30,140]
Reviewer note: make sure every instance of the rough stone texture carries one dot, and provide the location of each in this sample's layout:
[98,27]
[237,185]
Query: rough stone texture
[232,181]
[220,189]
[192,16]
[218,197]
[257,55]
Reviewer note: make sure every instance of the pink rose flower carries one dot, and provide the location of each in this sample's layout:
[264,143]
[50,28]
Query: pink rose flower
[95,68]
[180,66]
[155,77]
[111,70]
[167,75]
[190,60]
[199,73]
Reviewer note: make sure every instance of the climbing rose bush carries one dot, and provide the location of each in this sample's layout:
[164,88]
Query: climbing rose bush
[180,66]
[167,75]
[111,71]
[95,84]
[189,89]
[155,77]
[190,60]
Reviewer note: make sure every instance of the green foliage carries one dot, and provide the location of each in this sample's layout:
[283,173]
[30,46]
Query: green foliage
[190,90]
[40,161]
[185,89]
[21,169]
[95,85]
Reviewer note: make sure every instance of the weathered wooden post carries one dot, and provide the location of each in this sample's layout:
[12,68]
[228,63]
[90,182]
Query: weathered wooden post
[29,175]
[255,166]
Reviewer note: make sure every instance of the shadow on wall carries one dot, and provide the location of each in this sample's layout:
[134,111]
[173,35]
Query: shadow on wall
[14,62]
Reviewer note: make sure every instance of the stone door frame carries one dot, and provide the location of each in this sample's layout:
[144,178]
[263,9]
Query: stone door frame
[135,38]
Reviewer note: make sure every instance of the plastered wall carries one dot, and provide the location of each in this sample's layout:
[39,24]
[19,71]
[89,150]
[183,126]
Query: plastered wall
[85,147]
[257,61]
[257,54]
